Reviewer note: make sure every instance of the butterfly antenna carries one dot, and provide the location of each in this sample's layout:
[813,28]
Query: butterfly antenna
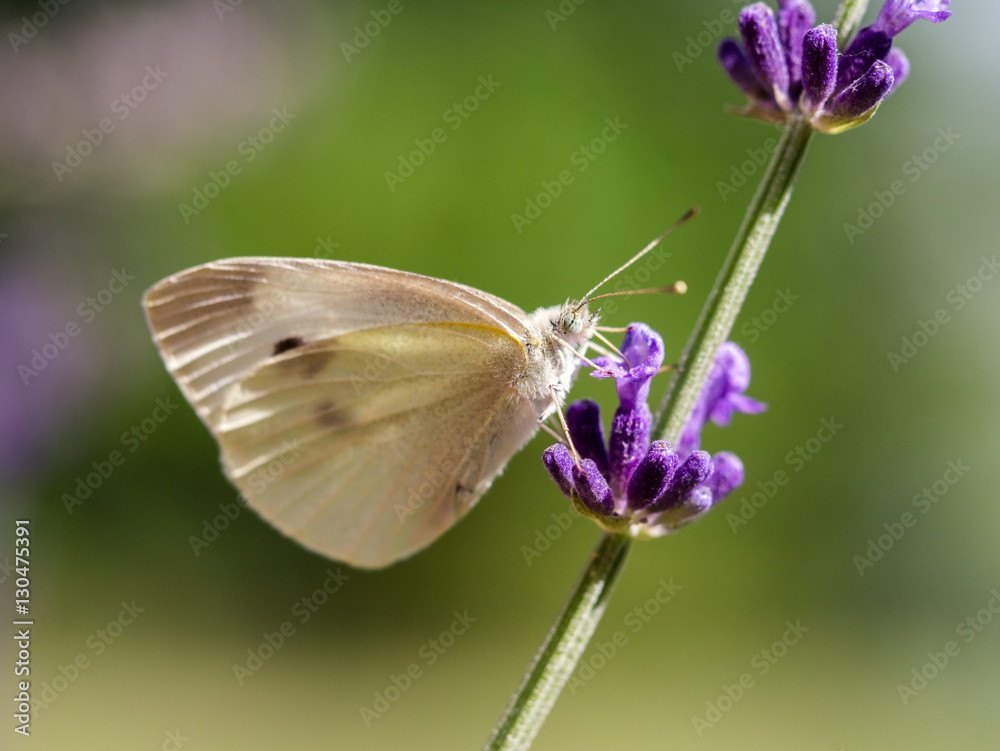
[690,214]
[677,288]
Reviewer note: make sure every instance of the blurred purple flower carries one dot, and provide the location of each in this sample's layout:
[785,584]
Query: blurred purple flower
[48,374]
[217,81]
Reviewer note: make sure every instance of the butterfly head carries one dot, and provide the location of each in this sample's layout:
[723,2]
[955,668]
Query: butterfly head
[574,322]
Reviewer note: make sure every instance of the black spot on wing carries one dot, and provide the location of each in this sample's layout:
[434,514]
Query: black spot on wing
[290,342]
[328,416]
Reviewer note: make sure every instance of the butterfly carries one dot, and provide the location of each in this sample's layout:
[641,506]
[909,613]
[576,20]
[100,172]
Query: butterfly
[363,410]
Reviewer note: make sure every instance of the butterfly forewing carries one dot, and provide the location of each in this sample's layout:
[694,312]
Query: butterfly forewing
[216,323]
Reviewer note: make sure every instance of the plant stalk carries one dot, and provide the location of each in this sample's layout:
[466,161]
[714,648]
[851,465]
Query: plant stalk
[563,647]
[733,283]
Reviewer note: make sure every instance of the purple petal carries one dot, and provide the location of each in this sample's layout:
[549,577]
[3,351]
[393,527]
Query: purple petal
[870,41]
[559,463]
[795,17]
[900,66]
[584,421]
[859,101]
[643,350]
[727,475]
[652,475]
[869,46]
[593,488]
[722,395]
[740,70]
[723,412]
[819,66]
[896,15]
[763,46]
[697,502]
[630,431]
[642,346]
[695,470]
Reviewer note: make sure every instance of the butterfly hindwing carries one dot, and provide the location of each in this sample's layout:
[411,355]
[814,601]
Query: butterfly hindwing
[367,446]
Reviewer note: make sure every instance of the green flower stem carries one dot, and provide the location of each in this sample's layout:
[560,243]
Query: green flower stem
[562,648]
[734,281]
[848,18]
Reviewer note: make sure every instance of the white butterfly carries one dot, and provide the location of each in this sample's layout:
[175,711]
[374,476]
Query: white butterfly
[361,410]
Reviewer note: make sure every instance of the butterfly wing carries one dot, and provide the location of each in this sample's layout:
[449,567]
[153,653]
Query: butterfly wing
[361,410]
[367,446]
[215,324]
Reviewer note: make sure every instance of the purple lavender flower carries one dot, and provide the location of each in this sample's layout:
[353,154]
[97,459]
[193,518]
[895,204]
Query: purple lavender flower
[788,69]
[632,423]
[642,488]
[643,350]
[795,18]
[896,15]
[765,51]
[722,396]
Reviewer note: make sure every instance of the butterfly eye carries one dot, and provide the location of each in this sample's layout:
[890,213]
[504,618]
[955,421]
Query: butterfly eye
[571,322]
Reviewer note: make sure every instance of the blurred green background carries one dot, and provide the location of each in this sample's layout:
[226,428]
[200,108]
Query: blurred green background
[318,187]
